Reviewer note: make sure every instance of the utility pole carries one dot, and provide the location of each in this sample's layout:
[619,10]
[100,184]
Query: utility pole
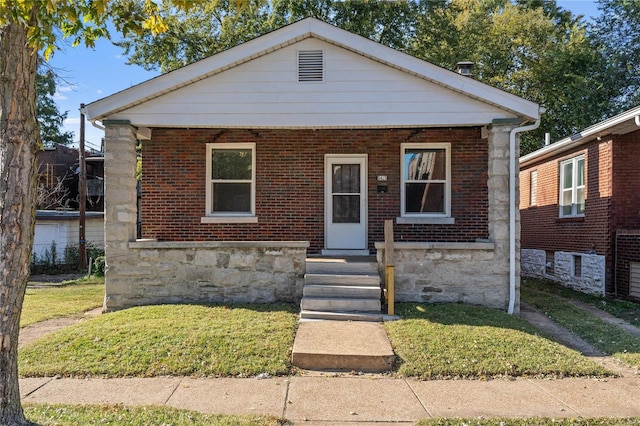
[82,197]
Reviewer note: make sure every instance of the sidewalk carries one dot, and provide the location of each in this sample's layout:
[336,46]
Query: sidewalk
[352,399]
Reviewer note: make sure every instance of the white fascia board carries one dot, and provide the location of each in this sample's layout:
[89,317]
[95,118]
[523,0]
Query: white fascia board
[579,138]
[293,33]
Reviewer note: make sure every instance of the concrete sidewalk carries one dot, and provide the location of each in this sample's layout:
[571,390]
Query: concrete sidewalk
[326,399]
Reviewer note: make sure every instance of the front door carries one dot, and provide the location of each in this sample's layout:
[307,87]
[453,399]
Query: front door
[345,203]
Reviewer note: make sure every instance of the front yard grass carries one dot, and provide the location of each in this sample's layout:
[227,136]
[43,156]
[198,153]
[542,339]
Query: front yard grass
[611,339]
[72,298]
[181,340]
[437,341]
[63,415]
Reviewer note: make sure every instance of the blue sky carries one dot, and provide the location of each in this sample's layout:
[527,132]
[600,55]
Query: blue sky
[91,74]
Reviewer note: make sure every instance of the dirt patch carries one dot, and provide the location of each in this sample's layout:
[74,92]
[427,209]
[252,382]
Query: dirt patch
[35,331]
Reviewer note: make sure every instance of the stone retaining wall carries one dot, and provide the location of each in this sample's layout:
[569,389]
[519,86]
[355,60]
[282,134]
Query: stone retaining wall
[207,272]
[449,272]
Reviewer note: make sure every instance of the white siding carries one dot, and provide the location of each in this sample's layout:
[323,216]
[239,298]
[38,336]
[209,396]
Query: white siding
[45,234]
[356,91]
[65,233]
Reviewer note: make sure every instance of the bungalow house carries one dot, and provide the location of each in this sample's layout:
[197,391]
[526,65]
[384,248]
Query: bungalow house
[580,209]
[300,143]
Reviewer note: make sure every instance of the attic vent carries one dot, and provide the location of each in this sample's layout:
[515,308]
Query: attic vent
[310,66]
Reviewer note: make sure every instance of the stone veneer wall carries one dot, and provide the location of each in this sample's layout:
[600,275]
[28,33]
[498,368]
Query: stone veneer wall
[208,272]
[590,278]
[448,272]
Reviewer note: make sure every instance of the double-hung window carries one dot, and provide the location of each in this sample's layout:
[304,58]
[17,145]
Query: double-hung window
[572,187]
[231,183]
[426,182]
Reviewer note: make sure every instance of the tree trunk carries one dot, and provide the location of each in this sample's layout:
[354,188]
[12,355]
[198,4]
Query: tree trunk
[19,145]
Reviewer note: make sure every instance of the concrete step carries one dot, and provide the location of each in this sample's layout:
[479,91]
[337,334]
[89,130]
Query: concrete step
[341,266]
[341,291]
[342,346]
[344,279]
[333,304]
[306,315]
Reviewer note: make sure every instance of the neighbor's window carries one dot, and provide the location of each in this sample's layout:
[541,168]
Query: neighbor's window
[572,187]
[231,179]
[426,180]
[533,188]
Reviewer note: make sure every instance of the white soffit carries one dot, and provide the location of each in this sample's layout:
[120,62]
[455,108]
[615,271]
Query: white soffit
[293,33]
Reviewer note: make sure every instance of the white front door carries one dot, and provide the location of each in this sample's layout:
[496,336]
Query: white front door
[345,202]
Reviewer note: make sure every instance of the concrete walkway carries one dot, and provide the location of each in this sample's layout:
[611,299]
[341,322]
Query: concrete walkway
[352,399]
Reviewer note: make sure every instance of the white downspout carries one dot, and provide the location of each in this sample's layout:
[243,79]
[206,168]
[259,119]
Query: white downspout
[512,210]
[638,120]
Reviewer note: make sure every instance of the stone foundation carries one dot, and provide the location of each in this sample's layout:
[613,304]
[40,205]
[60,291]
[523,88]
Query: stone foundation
[206,272]
[449,272]
[587,275]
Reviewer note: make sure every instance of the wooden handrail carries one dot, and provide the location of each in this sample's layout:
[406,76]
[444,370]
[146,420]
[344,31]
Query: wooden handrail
[389,264]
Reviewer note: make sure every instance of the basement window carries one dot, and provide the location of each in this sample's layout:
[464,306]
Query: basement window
[577,266]
[311,66]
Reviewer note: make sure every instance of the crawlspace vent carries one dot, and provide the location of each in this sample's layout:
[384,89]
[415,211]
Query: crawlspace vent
[310,66]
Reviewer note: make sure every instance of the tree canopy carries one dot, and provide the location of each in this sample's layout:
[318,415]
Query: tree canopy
[50,118]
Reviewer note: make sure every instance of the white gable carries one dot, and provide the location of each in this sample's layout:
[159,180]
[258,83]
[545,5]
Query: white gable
[376,88]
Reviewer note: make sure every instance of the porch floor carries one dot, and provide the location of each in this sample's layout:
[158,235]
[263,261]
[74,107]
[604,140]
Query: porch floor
[342,346]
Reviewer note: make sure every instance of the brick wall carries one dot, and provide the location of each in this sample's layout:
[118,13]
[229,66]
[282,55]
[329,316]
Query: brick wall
[625,206]
[290,183]
[543,229]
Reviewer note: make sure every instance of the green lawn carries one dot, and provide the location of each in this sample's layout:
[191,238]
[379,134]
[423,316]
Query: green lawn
[435,341]
[66,415]
[73,298]
[169,340]
[553,301]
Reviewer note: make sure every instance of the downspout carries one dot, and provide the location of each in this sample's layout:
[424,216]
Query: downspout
[512,209]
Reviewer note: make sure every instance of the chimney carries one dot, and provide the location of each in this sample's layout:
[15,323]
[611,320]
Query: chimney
[464,68]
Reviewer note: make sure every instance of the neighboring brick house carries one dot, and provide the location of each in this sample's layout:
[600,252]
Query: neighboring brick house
[580,209]
[303,142]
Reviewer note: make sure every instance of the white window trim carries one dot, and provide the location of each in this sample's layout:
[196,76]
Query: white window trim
[574,187]
[426,218]
[211,217]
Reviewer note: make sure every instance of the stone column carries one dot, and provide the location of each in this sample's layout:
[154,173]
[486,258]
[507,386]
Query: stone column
[120,206]
[498,182]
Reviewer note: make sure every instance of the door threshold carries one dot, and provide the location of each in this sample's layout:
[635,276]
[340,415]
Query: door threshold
[327,252]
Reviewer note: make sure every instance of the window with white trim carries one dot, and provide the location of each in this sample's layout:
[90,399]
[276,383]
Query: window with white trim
[231,179]
[426,180]
[572,187]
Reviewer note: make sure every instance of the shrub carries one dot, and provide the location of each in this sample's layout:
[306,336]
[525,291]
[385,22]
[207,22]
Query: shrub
[98,266]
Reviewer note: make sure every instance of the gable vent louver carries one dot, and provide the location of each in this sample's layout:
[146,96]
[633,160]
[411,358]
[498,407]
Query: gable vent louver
[310,66]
